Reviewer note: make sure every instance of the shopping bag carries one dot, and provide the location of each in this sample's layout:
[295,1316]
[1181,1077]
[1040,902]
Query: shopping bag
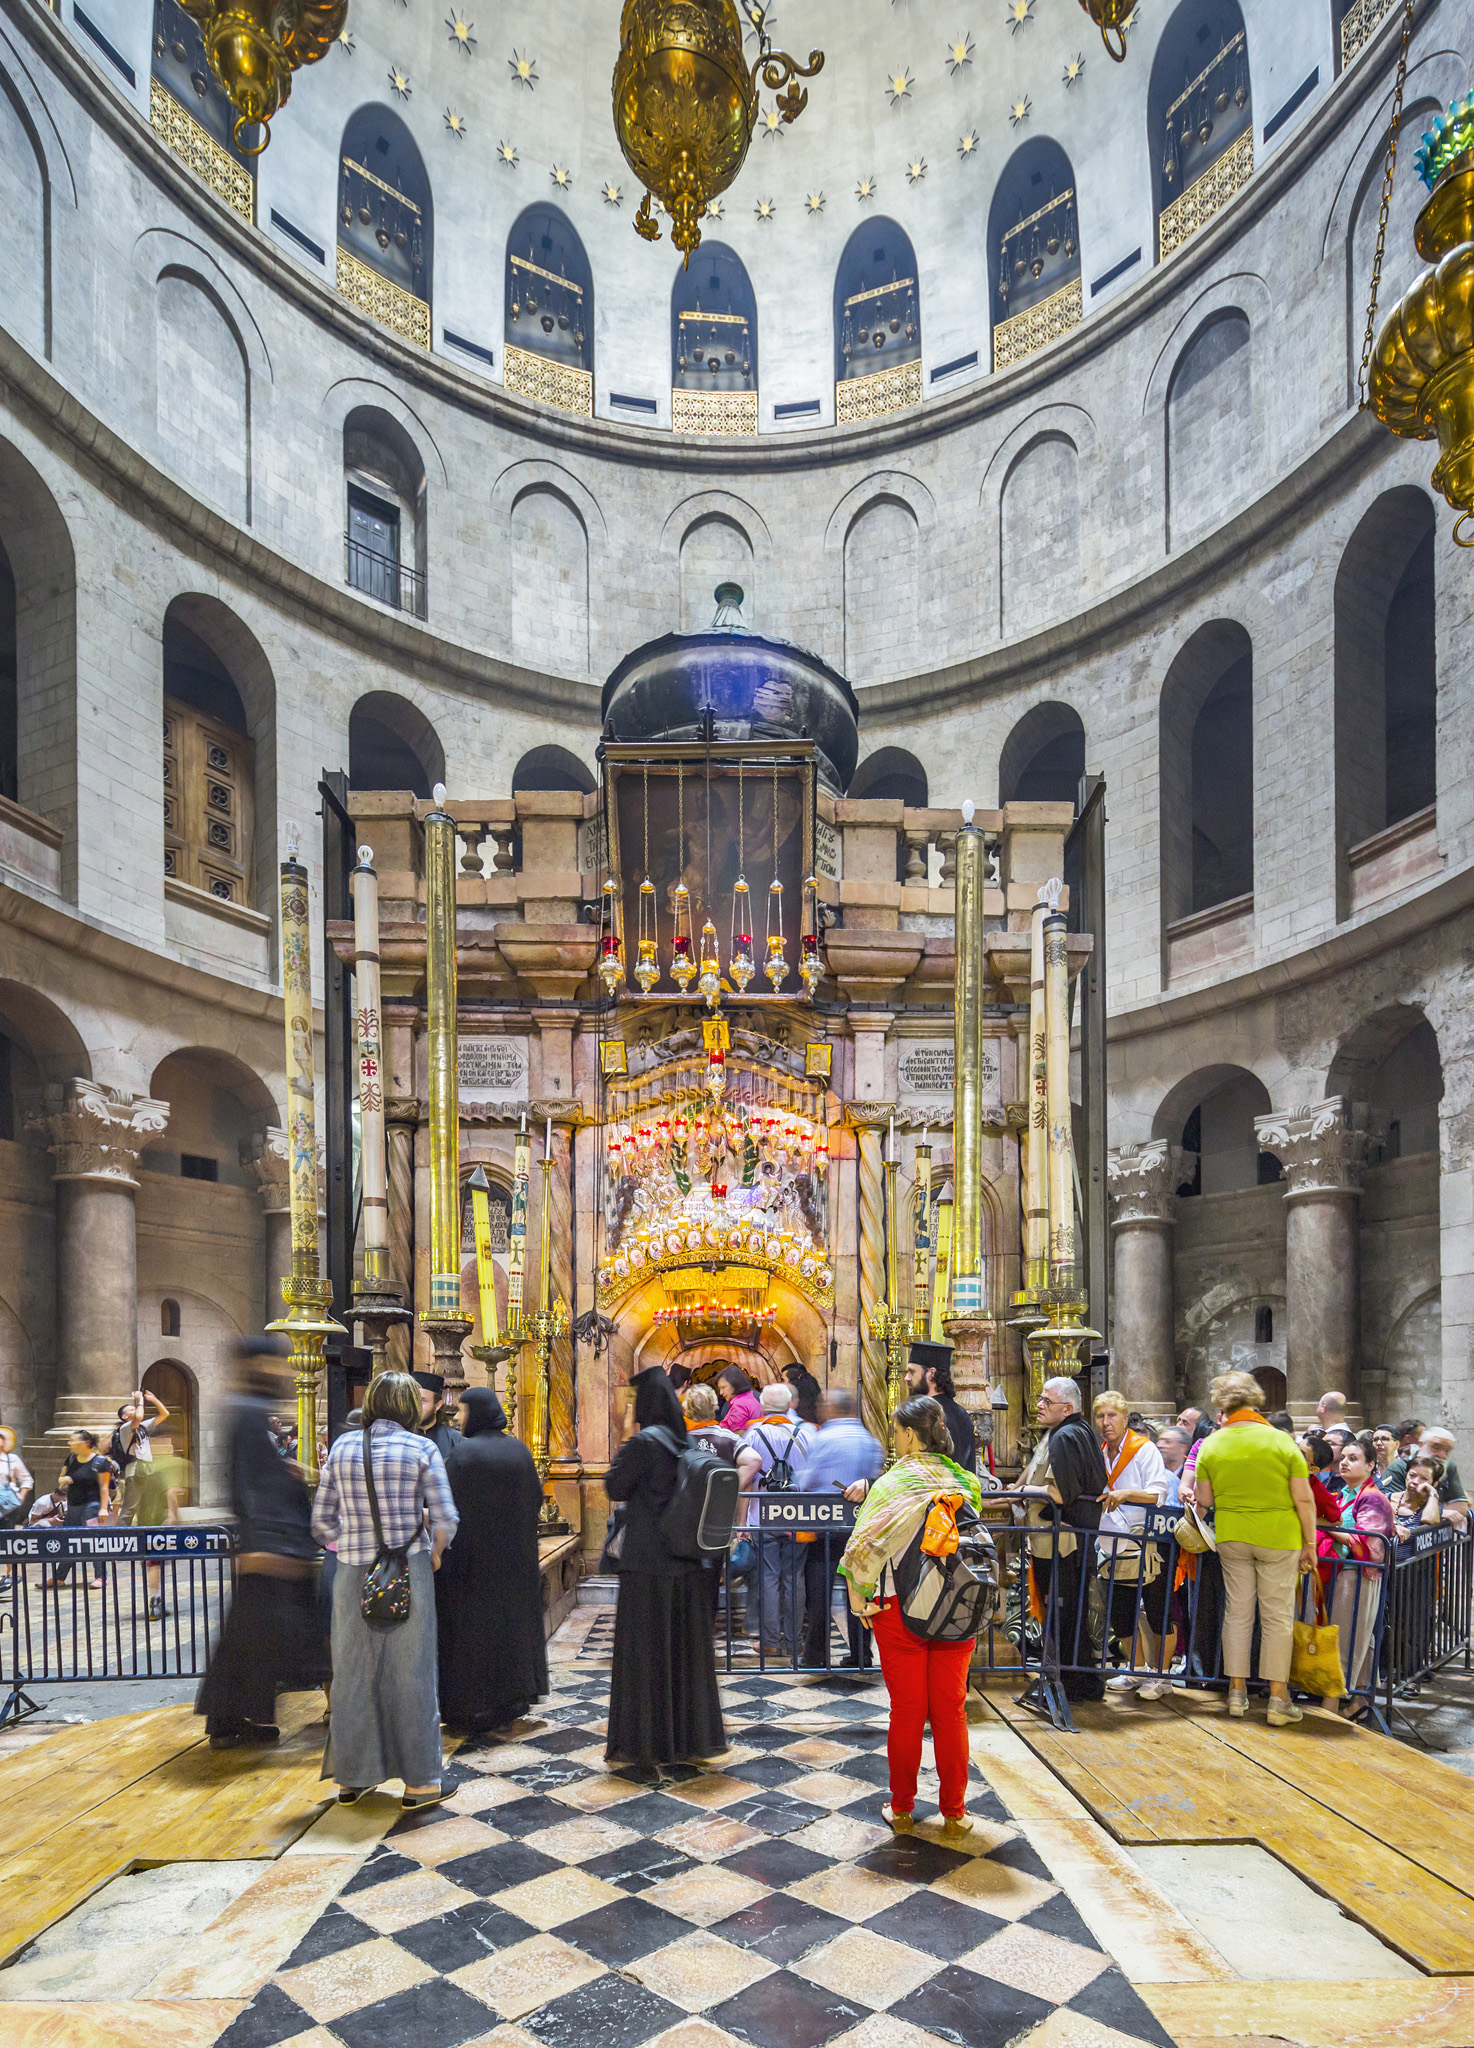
[1315,1661]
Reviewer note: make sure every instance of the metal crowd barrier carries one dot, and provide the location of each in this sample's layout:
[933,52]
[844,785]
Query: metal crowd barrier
[1430,1604]
[74,1606]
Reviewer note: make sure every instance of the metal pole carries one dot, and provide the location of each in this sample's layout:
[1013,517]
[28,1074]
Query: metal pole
[967,1138]
[445,1320]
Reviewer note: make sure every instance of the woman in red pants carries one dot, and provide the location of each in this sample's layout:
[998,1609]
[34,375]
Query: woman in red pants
[926,1681]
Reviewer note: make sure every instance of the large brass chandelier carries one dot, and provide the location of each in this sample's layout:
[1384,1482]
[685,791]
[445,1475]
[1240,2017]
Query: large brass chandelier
[254,46]
[1112,18]
[686,103]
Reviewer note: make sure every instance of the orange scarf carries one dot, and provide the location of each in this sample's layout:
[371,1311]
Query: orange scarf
[1131,1443]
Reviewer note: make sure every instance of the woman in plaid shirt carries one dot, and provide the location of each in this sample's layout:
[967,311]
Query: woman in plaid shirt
[386,1711]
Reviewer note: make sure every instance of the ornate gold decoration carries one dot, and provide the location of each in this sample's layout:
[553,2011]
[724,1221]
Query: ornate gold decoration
[1037,326]
[1421,383]
[766,210]
[1112,18]
[456,123]
[399,82]
[686,103]
[561,176]
[1206,196]
[557,384]
[814,203]
[866,188]
[507,153]
[383,300]
[195,146]
[610,192]
[883,391]
[1358,25]
[254,46]
[713,412]
[460,33]
[523,70]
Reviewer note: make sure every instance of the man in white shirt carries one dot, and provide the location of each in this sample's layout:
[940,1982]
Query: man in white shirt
[1136,1479]
[780,1454]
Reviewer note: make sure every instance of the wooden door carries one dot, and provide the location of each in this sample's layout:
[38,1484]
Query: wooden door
[209,811]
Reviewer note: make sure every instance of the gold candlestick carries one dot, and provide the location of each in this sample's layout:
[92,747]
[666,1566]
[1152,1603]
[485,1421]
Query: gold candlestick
[377,1302]
[445,1321]
[888,1324]
[491,1351]
[1054,1348]
[306,1296]
[967,1111]
[539,1327]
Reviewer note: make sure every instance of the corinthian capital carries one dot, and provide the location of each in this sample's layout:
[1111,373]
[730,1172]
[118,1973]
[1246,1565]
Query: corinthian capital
[97,1133]
[1320,1150]
[1141,1181]
[269,1162]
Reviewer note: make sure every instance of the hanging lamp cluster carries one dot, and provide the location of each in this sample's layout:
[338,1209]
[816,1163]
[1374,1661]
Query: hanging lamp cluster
[254,46]
[686,103]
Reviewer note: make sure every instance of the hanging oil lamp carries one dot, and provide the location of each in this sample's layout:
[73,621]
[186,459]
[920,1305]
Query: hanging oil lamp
[611,952]
[1111,17]
[647,959]
[776,966]
[254,46]
[682,966]
[810,967]
[709,980]
[740,964]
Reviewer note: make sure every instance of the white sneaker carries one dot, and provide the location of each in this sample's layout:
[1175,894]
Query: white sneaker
[1124,1681]
[1155,1689]
[1283,1713]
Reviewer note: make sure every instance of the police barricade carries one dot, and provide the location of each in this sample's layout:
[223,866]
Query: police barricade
[75,1606]
[1428,1607]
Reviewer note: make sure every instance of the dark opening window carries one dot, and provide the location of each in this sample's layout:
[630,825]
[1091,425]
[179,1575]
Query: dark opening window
[877,313]
[1199,104]
[194,1166]
[9,673]
[1033,231]
[385,217]
[1192,1154]
[1269,1170]
[1223,791]
[713,324]
[373,546]
[549,290]
[1264,1326]
[169,1314]
[1412,688]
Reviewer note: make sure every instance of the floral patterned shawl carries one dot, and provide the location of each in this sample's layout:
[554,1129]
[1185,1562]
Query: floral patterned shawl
[895,1509]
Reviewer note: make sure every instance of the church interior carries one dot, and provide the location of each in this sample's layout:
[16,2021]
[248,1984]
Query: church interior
[698,686]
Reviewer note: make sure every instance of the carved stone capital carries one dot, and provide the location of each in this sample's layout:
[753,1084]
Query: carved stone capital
[1142,1180]
[97,1133]
[402,1109]
[269,1162]
[1321,1151]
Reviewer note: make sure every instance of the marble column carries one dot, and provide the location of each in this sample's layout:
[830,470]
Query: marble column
[874,1407]
[96,1135]
[1142,1180]
[1322,1154]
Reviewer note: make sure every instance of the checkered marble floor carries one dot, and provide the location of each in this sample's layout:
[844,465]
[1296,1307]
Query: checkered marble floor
[554,1903]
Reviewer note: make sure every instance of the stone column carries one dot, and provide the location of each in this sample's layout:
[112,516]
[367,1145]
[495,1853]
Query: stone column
[401,1120]
[270,1168]
[1142,1180]
[562,1418]
[96,1135]
[874,1411]
[1322,1156]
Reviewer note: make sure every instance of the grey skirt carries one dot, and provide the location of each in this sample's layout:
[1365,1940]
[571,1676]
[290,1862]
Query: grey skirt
[386,1708]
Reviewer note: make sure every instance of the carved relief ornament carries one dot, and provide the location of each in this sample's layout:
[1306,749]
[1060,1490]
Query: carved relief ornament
[1321,1152]
[1142,1180]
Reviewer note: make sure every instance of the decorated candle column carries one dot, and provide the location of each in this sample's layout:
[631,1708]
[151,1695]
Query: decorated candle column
[377,1303]
[445,1320]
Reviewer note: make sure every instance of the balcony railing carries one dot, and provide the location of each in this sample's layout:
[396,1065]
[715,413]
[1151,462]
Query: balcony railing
[1037,326]
[209,160]
[1206,195]
[713,412]
[382,299]
[380,576]
[1358,25]
[883,391]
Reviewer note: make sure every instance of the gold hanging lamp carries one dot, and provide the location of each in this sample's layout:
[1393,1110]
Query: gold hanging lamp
[611,946]
[254,46]
[740,963]
[1112,18]
[686,103]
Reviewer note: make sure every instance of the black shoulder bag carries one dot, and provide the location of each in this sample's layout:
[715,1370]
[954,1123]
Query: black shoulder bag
[384,1601]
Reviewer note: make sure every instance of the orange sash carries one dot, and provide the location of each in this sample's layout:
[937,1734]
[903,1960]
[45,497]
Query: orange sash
[939,1535]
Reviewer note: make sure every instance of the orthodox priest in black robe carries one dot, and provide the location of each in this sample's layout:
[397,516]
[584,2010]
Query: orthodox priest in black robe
[488,1601]
[663,1701]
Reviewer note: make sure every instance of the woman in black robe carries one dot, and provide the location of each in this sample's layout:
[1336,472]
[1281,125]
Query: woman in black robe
[488,1598]
[663,1702]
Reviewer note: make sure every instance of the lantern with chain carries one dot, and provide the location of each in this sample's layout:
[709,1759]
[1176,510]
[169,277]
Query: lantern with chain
[776,968]
[647,953]
[740,963]
[682,965]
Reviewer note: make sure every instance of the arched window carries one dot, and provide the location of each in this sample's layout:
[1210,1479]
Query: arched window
[1033,252]
[384,532]
[1207,775]
[550,312]
[185,99]
[552,768]
[168,1318]
[1043,757]
[713,346]
[877,324]
[1386,693]
[1211,1116]
[1392,1064]
[386,224]
[1200,118]
[891,772]
[391,745]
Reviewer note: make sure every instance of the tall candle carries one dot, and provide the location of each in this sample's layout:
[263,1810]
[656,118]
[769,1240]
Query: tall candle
[370,1070]
[440,1002]
[921,1241]
[1057,1095]
[545,1283]
[517,1237]
[485,1271]
[296,957]
[1036,1155]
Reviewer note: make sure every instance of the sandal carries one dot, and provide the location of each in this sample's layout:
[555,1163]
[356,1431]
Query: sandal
[416,1802]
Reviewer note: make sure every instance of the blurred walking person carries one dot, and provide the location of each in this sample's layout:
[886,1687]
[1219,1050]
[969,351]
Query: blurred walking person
[844,1459]
[488,1594]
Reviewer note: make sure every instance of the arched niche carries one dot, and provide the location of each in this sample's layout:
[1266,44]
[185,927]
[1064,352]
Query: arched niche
[393,746]
[1206,769]
[219,749]
[25,196]
[1033,241]
[385,539]
[882,583]
[877,301]
[182,68]
[1039,535]
[1211,1116]
[891,772]
[217,1106]
[1199,107]
[550,581]
[552,768]
[1210,425]
[715,549]
[40,706]
[1390,1062]
[1043,758]
[38,1044]
[202,391]
[549,292]
[713,324]
[386,216]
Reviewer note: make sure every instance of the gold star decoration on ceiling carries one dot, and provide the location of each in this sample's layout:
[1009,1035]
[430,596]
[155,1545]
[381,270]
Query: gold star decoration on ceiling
[399,80]
[715,208]
[772,122]
[456,123]
[866,188]
[814,203]
[345,40]
[460,33]
[562,177]
[611,192]
[766,209]
[898,86]
[1074,68]
[967,145]
[507,154]
[1019,12]
[523,70]
[916,170]
[1020,110]
[959,53]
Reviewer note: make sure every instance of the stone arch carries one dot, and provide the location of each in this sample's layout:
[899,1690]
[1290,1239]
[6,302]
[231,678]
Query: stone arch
[876,530]
[1039,535]
[385,516]
[1196,34]
[52,1046]
[217,1106]
[550,582]
[202,392]
[1043,757]
[25,205]
[552,768]
[714,549]
[40,706]
[891,772]
[213,626]
[1210,427]
[1210,1114]
[352,394]
[1391,1063]
[1206,771]
[392,745]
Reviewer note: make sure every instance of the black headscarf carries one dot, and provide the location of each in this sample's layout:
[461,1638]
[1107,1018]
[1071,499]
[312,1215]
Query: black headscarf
[656,1402]
[484,1412]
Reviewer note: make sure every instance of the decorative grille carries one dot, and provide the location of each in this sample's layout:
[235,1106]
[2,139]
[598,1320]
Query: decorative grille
[1037,326]
[196,147]
[558,384]
[883,391]
[383,300]
[1358,25]
[1205,196]
[713,412]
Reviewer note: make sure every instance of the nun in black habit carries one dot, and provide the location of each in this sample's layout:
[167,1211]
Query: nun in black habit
[488,1602]
[663,1702]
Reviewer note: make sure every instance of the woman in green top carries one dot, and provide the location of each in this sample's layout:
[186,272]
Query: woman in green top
[1255,1480]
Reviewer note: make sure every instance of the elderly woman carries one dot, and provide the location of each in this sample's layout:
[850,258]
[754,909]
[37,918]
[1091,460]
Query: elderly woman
[385,1709]
[1136,1479]
[926,1681]
[1255,1481]
[1367,1528]
[1416,1505]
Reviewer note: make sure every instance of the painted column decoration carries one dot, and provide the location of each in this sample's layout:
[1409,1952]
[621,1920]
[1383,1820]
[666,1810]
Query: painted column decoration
[377,1303]
[966,1290]
[307,1297]
[445,1320]
[517,1236]
[1142,1181]
[1057,1094]
[1036,1157]
[1322,1153]
[870,1171]
[921,1241]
